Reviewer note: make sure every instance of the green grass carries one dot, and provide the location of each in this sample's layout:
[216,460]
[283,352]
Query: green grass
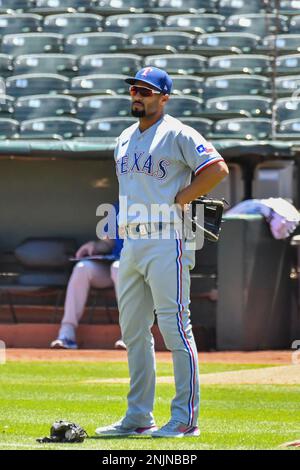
[34,395]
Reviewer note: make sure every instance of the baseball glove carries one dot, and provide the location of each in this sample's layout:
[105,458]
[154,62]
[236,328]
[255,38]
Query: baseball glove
[65,432]
[213,211]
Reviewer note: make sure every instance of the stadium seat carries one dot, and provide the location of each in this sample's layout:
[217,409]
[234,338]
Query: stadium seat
[15,5]
[126,64]
[64,64]
[160,42]
[224,43]
[72,23]
[287,85]
[180,106]
[260,24]
[230,85]
[58,128]
[288,7]
[244,129]
[41,106]
[95,43]
[240,105]
[100,107]
[202,125]
[48,7]
[98,84]
[111,7]
[288,64]
[244,63]
[133,23]
[238,7]
[36,83]
[6,65]
[20,23]
[103,128]
[7,105]
[295,25]
[8,128]
[287,108]
[274,179]
[185,6]
[187,85]
[281,44]
[31,43]
[181,64]
[194,23]
[289,129]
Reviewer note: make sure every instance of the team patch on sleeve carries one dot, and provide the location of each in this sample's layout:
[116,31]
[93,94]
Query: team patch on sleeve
[205,149]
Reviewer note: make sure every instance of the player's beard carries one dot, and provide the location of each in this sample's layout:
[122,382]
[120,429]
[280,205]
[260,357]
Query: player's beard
[138,112]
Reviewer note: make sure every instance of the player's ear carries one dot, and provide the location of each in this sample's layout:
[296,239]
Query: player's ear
[165,99]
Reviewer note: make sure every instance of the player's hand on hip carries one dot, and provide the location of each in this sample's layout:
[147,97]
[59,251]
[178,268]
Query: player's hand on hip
[88,249]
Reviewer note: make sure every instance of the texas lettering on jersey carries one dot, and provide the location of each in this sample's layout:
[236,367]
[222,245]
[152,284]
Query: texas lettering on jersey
[142,163]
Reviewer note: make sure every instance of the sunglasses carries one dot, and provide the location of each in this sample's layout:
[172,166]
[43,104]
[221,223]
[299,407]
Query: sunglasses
[143,91]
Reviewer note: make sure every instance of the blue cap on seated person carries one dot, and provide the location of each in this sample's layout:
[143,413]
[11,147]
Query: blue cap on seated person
[155,77]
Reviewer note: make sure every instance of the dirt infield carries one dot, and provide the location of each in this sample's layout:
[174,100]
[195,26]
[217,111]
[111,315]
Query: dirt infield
[236,357]
[283,375]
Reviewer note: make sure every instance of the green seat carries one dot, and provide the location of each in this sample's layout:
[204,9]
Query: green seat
[240,105]
[133,23]
[98,84]
[31,43]
[181,64]
[36,83]
[111,7]
[202,125]
[95,43]
[40,106]
[288,7]
[260,24]
[64,64]
[287,85]
[281,44]
[185,6]
[126,64]
[242,63]
[195,23]
[230,85]
[184,106]
[20,23]
[287,109]
[107,128]
[233,7]
[47,7]
[160,42]
[243,129]
[7,106]
[6,65]
[57,128]
[289,129]
[225,43]
[103,106]
[187,85]
[16,5]
[288,64]
[8,128]
[72,23]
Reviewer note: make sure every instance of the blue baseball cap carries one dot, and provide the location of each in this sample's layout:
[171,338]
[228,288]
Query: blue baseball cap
[153,76]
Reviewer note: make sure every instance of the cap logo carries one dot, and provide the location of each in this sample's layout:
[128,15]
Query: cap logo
[146,71]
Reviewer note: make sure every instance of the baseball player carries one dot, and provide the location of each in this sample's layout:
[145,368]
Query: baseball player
[155,159]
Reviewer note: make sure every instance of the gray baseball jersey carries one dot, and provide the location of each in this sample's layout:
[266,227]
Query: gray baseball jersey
[152,166]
